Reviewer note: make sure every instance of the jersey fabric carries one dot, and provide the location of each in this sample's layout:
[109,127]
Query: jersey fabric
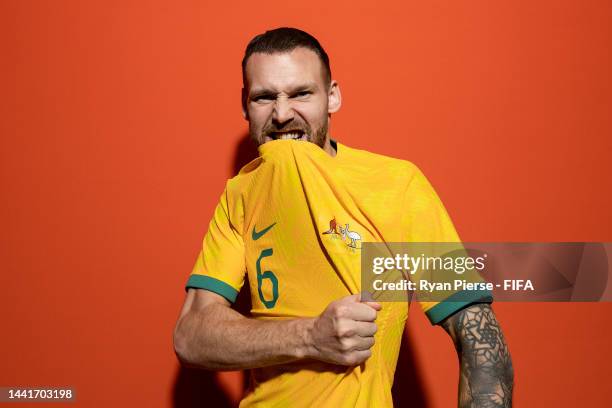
[293,221]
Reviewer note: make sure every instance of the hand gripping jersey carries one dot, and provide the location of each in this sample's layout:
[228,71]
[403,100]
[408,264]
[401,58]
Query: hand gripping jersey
[293,220]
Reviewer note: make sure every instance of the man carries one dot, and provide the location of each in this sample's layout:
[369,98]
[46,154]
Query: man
[294,219]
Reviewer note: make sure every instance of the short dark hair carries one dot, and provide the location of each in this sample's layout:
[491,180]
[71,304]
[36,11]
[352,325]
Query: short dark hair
[285,39]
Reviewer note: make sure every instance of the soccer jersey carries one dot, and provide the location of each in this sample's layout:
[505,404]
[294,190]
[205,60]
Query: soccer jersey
[293,221]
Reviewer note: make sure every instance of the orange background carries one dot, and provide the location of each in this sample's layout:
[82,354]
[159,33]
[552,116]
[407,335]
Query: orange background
[120,123]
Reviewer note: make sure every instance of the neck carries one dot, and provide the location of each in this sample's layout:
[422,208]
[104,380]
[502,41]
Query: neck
[328,147]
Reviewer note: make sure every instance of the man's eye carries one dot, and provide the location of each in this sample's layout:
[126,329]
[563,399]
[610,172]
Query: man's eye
[259,98]
[301,94]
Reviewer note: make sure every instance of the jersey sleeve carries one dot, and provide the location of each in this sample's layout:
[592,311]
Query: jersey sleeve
[220,265]
[426,221]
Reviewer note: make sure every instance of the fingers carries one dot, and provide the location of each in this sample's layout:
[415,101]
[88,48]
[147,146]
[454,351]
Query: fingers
[365,329]
[375,305]
[368,299]
[355,357]
[364,298]
[352,344]
[361,356]
[357,336]
[364,343]
[359,312]
[345,331]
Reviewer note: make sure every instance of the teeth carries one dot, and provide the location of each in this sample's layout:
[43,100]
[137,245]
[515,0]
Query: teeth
[287,136]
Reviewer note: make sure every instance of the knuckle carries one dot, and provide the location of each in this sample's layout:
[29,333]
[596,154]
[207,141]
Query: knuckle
[345,331]
[345,345]
[340,311]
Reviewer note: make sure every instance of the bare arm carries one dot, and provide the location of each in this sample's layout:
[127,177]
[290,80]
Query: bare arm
[209,334]
[486,373]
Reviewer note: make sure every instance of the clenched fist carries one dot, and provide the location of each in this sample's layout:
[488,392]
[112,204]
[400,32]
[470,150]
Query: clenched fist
[344,333]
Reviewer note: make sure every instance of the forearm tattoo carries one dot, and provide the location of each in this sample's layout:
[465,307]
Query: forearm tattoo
[486,367]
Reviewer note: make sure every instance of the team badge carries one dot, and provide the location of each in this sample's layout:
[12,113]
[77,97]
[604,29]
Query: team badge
[352,239]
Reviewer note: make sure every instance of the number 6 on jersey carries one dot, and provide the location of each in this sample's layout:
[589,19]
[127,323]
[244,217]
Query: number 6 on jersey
[269,304]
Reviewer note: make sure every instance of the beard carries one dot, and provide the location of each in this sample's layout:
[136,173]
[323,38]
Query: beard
[271,130]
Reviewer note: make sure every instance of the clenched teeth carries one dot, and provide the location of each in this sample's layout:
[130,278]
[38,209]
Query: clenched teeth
[288,135]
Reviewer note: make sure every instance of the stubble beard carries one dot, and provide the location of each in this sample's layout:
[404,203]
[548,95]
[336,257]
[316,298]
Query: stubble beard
[318,137]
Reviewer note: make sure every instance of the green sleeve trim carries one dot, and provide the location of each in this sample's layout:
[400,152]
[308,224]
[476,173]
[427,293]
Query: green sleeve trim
[456,302]
[212,284]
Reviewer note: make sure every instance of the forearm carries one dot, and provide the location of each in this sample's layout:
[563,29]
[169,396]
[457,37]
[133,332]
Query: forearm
[486,372]
[483,386]
[219,338]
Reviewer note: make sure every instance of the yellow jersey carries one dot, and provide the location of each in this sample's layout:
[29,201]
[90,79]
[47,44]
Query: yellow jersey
[293,221]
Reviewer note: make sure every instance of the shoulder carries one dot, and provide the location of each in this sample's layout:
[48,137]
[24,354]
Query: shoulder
[377,162]
[236,185]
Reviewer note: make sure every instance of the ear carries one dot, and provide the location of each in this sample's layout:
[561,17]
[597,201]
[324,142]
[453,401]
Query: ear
[245,114]
[334,98]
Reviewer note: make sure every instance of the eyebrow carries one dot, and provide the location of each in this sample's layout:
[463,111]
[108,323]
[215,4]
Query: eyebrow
[297,89]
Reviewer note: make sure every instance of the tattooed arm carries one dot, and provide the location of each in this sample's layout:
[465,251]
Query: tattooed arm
[486,374]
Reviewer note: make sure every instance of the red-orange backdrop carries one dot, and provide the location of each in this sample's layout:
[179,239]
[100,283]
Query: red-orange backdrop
[120,122]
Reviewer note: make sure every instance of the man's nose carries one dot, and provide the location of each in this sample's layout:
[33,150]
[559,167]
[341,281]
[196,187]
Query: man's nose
[283,112]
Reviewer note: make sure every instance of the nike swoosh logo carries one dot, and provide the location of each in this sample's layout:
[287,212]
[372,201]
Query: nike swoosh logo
[257,235]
